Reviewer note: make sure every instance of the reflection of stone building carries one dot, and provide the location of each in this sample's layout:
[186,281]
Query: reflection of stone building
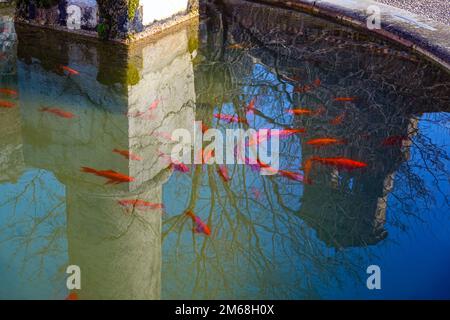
[345,208]
[119,253]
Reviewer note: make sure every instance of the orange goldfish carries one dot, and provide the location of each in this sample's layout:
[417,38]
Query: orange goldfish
[256,193]
[230,118]
[176,165]
[345,99]
[7,104]
[200,226]
[338,120]
[305,112]
[154,105]
[292,175]
[223,173]
[258,138]
[72,296]
[238,46]
[251,106]
[58,112]
[8,92]
[70,71]
[394,141]
[140,204]
[112,176]
[320,142]
[343,163]
[127,154]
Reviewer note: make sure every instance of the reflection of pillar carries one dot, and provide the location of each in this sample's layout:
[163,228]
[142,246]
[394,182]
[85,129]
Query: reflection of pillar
[119,254]
[11,155]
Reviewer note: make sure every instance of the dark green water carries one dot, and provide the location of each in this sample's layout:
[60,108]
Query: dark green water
[271,237]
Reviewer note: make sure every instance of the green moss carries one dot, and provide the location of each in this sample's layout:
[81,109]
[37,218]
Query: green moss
[103,31]
[133,76]
[132,7]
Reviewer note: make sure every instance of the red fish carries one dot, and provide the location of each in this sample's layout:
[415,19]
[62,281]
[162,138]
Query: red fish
[140,204]
[8,92]
[112,176]
[207,156]
[70,70]
[200,226]
[204,128]
[229,118]
[154,105]
[338,120]
[223,173]
[320,142]
[127,154]
[58,112]
[343,163]
[317,82]
[176,165]
[256,193]
[345,99]
[72,296]
[251,106]
[7,104]
[292,175]
[258,138]
[394,141]
[305,112]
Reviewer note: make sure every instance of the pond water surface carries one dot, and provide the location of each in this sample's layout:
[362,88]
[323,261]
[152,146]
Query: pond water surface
[73,110]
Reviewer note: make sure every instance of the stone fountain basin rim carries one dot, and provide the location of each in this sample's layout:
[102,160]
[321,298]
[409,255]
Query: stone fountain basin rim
[427,37]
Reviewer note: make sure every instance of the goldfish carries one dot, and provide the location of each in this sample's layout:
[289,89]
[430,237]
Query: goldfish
[204,128]
[112,176]
[7,104]
[140,204]
[258,138]
[256,193]
[308,87]
[200,226]
[127,154]
[320,142]
[58,112]
[163,135]
[177,166]
[338,120]
[239,46]
[72,296]
[345,99]
[394,141]
[303,89]
[70,71]
[305,112]
[317,82]
[154,105]
[208,156]
[292,175]
[251,107]
[230,118]
[223,173]
[8,92]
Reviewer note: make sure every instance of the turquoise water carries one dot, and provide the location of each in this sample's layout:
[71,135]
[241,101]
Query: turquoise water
[271,237]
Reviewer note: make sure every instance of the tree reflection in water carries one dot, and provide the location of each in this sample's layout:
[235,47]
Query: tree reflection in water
[271,237]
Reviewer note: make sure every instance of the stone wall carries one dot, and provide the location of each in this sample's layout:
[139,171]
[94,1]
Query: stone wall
[107,19]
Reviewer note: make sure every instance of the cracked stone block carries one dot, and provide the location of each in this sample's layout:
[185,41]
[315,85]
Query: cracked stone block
[82,14]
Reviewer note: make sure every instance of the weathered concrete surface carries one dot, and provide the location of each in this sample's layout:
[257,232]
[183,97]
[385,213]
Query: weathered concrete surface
[438,10]
[426,36]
